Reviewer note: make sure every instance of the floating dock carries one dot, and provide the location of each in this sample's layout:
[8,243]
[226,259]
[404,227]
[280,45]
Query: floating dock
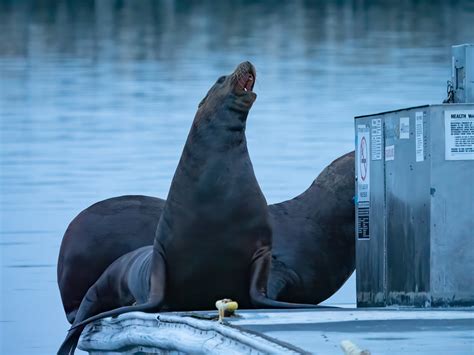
[414,248]
[318,331]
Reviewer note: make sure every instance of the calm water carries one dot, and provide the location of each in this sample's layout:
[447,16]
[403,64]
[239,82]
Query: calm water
[96,99]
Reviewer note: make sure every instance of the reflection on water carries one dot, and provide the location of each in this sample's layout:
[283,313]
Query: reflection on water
[96,99]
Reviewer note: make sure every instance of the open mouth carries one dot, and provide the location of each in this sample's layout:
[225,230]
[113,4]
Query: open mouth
[247,81]
[245,73]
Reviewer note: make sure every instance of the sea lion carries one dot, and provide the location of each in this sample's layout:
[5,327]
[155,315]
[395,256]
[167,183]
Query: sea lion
[216,207]
[313,239]
[99,235]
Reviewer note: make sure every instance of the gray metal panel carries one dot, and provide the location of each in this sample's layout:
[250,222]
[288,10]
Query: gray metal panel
[452,219]
[462,73]
[407,212]
[370,253]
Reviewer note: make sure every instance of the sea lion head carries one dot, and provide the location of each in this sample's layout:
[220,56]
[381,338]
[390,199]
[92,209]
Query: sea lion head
[230,94]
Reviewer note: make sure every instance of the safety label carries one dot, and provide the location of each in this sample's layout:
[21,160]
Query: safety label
[404,127]
[363,225]
[459,135]
[419,140]
[389,152]
[363,181]
[376,139]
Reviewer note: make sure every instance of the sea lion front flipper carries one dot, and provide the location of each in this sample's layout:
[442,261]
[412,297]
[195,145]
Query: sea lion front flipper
[258,283]
[282,280]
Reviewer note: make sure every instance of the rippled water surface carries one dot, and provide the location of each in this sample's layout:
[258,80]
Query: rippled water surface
[96,99]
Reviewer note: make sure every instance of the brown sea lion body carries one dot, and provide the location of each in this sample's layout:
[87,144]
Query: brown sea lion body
[313,239]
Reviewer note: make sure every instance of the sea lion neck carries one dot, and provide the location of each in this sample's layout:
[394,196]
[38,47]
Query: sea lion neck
[219,129]
[215,168]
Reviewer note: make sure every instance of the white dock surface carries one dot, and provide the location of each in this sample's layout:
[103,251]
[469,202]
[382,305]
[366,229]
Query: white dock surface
[318,331]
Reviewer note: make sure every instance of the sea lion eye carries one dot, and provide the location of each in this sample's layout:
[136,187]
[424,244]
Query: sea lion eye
[221,79]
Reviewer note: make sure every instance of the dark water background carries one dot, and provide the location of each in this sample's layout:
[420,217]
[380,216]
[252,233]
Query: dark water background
[96,99]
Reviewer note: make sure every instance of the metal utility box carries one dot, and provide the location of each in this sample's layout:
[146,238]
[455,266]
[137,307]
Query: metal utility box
[415,206]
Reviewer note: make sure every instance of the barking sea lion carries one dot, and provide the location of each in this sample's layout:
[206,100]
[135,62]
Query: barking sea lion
[214,224]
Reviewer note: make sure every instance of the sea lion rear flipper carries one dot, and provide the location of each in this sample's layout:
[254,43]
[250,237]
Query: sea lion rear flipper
[258,283]
[70,343]
[153,304]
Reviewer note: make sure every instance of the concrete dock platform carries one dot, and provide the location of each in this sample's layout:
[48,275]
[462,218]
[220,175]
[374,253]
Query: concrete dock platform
[316,331]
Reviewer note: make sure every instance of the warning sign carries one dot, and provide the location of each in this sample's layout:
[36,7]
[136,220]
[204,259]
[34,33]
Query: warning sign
[363,163]
[364,159]
[363,181]
[459,135]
